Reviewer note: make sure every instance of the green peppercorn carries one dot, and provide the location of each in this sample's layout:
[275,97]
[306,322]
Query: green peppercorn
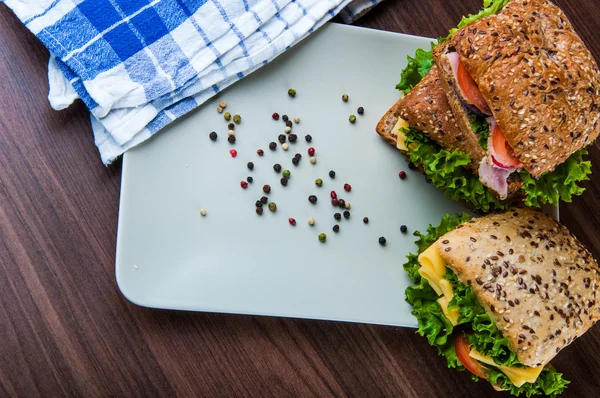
[292,92]
[237,119]
[345,97]
[272,206]
[352,119]
[286,173]
[322,238]
[319,182]
[227,116]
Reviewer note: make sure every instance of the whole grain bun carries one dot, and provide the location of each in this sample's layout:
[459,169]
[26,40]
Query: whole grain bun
[539,79]
[537,282]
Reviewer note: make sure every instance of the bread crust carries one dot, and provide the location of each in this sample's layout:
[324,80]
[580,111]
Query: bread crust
[533,277]
[539,79]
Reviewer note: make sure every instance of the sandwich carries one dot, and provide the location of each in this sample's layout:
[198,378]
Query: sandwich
[502,295]
[502,109]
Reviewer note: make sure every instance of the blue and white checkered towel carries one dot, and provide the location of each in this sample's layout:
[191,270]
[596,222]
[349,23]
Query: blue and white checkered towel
[140,64]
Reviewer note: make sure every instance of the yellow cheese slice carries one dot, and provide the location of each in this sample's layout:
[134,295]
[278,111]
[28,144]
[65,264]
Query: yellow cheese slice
[518,376]
[401,141]
[451,315]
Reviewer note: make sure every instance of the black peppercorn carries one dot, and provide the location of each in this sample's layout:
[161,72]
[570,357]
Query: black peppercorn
[360,110]
[337,216]
[341,203]
[259,211]
[308,138]
[336,228]
[250,166]
[298,155]
[250,180]
[295,161]
[366,220]
[213,136]
[288,123]
[284,181]
[259,203]
[231,126]
[332,174]
[231,139]
[285,118]
[382,241]
[312,199]
[293,137]
[281,138]
[266,188]
[264,200]
[346,214]
[277,167]
[272,146]
[403,229]
[412,166]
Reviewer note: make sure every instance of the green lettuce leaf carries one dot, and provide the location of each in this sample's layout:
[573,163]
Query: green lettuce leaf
[561,184]
[418,66]
[481,128]
[483,334]
[445,170]
[490,7]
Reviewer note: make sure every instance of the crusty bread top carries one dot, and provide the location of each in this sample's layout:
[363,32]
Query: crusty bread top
[539,79]
[534,278]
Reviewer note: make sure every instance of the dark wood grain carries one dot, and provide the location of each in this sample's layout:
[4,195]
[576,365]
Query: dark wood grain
[67,331]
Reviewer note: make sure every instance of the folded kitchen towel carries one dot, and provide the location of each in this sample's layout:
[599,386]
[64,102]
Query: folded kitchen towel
[140,64]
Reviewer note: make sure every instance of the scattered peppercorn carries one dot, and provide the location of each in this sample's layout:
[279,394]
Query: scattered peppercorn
[237,119]
[231,139]
[264,199]
[347,205]
[298,155]
[272,146]
[332,174]
[312,199]
[223,104]
[308,138]
[292,221]
[337,216]
[345,97]
[272,206]
[227,116]
[213,136]
[296,119]
[250,179]
[286,173]
[258,203]
[382,241]
[277,167]
[219,109]
[281,138]
[285,118]
[287,130]
[366,220]
[292,92]
[346,214]
[295,161]
[260,152]
[412,166]
[230,133]
[250,166]
[311,221]
[402,175]
[259,211]
[360,110]
[285,146]
[403,229]
[311,151]
[289,123]
[322,238]
[336,228]
[293,137]
[347,187]
[333,195]
[266,188]
[284,181]
[352,119]
[334,202]
[275,116]
[313,160]
[319,182]
[341,203]
[202,212]
[231,126]
[244,184]
[233,153]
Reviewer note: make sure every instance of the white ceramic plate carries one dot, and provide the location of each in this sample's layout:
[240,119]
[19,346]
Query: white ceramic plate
[234,261]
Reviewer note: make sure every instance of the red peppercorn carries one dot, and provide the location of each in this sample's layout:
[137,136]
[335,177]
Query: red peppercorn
[334,202]
[347,187]
[260,152]
[333,195]
[311,151]
[292,221]
[275,116]
[402,175]
[233,153]
[244,184]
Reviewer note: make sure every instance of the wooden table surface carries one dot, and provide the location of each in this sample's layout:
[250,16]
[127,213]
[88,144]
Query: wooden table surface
[67,330]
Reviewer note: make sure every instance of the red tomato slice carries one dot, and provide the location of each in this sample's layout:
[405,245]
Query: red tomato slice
[503,153]
[469,88]
[462,352]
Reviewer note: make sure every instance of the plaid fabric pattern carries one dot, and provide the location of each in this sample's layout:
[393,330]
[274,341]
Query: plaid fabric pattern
[140,64]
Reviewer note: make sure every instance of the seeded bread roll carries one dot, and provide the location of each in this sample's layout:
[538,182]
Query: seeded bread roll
[540,81]
[536,281]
